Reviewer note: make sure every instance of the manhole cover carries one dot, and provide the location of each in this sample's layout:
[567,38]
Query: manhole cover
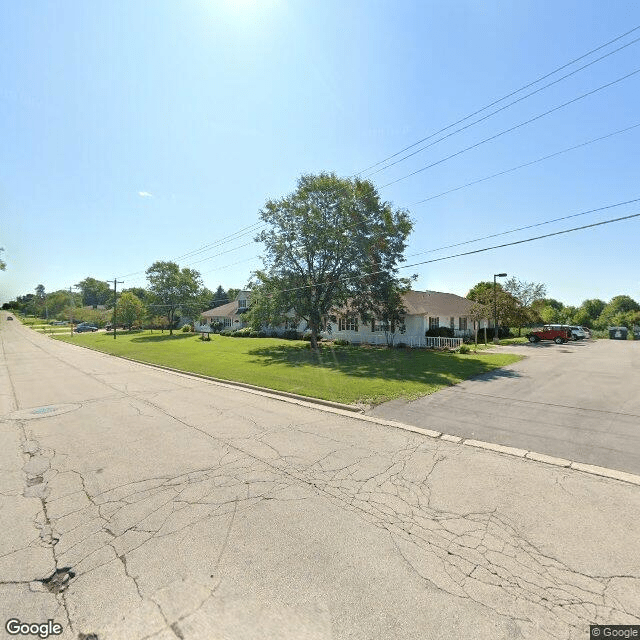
[43,412]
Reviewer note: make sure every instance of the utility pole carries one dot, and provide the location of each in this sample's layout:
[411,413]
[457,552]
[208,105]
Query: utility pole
[71,308]
[496,338]
[115,306]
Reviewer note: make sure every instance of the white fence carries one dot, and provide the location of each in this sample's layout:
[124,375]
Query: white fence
[410,341]
[437,343]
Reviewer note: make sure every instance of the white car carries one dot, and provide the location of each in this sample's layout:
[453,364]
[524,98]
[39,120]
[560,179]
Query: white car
[578,333]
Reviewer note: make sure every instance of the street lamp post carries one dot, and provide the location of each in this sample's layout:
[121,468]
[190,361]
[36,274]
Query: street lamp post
[496,339]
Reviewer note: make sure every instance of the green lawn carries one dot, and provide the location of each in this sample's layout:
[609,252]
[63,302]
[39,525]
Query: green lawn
[343,374]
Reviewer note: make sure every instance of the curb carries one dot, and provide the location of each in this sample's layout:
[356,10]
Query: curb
[356,413]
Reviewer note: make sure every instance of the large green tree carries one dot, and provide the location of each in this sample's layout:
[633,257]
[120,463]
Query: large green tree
[491,302]
[322,241]
[172,289]
[95,292]
[525,294]
[131,310]
[219,298]
[622,311]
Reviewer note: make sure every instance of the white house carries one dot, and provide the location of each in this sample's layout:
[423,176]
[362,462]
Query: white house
[230,315]
[425,310]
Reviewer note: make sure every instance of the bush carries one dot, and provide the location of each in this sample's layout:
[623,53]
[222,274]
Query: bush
[503,332]
[440,332]
[291,334]
[464,348]
[401,345]
[261,334]
[307,337]
[242,333]
[186,328]
[226,332]
[341,343]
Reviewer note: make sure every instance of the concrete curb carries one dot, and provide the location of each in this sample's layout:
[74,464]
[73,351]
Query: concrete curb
[355,413]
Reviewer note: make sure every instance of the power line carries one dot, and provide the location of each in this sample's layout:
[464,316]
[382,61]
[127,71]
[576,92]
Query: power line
[466,253]
[493,113]
[505,97]
[529,226]
[510,129]
[479,239]
[526,164]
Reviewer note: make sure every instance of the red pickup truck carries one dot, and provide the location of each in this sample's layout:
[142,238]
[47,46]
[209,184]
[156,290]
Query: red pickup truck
[557,334]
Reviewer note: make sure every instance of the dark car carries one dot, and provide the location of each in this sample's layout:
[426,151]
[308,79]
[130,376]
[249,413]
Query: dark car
[9,317]
[82,328]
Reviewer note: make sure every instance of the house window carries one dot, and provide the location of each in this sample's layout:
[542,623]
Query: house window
[242,304]
[463,324]
[348,324]
[379,325]
[227,322]
[434,323]
[452,322]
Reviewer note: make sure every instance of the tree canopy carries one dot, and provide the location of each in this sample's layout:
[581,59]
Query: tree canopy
[330,243]
[172,289]
[95,292]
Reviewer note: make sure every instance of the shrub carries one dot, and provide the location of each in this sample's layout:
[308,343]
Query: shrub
[291,334]
[186,328]
[307,337]
[464,348]
[503,332]
[242,333]
[440,332]
[253,334]
[261,334]
[226,332]
[273,334]
[341,343]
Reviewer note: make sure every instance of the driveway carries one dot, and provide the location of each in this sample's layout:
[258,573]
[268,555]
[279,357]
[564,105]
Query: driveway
[579,401]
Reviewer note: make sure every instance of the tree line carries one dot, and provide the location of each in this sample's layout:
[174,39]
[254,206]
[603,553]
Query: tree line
[523,304]
[171,293]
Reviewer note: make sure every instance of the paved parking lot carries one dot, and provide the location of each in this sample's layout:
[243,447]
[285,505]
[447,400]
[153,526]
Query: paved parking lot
[579,401]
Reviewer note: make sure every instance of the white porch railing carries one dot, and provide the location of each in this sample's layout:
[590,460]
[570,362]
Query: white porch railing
[437,343]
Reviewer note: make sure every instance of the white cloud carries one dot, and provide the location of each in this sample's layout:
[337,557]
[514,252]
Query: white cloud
[145,194]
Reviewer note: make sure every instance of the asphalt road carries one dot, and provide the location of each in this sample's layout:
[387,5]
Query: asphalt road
[579,401]
[137,503]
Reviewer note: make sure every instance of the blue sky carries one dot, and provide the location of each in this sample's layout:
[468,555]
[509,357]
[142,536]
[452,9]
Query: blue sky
[138,131]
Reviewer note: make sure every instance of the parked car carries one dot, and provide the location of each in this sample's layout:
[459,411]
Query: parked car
[557,333]
[59,323]
[578,333]
[587,332]
[9,317]
[84,327]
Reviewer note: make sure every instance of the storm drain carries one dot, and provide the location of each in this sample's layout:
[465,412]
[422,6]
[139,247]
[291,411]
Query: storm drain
[58,581]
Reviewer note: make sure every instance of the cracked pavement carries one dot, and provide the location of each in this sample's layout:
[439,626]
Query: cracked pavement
[138,503]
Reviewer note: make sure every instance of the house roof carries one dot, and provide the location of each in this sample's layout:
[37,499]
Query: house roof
[223,311]
[436,303]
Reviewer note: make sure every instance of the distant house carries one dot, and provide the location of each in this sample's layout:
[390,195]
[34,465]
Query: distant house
[425,310]
[230,315]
